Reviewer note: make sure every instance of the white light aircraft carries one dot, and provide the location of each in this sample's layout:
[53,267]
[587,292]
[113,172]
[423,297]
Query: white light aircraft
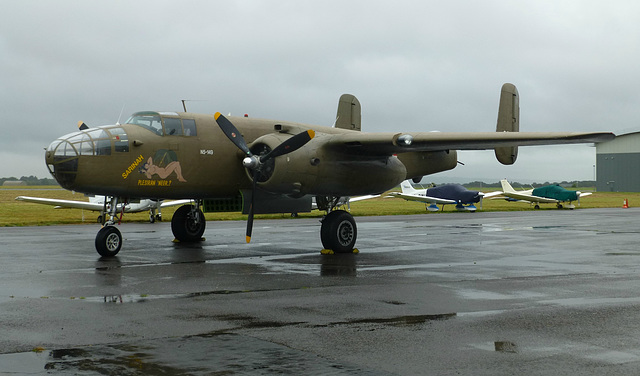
[97,203]
[548,194]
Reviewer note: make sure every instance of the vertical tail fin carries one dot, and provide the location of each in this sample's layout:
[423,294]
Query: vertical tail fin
[508,121]
[407,187]
[506,187]
[348,116]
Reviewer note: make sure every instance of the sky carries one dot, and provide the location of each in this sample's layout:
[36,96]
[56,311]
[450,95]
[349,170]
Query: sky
[414,66]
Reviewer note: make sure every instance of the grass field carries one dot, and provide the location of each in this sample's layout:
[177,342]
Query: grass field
[16,213]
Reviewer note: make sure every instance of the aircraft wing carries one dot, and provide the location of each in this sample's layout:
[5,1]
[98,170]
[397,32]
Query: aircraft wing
[166,204]
[392,143]
[62,203]
[492,194]
[360,198]
[425,199]
[529,198]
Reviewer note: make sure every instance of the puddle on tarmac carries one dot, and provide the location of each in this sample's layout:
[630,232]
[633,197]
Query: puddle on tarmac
[399,320]
[213,353]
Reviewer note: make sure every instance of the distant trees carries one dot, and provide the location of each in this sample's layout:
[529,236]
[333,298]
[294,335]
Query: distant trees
[515,184]
[31,180]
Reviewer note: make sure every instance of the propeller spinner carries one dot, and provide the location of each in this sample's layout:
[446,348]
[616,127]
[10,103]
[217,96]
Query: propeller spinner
[256,162]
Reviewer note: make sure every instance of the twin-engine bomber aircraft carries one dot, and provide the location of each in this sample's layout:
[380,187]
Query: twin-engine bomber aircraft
[266,166]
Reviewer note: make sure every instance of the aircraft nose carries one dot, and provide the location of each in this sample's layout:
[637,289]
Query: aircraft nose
[61,158]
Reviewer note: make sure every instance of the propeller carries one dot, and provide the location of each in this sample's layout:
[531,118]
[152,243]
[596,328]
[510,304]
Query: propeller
[256,162]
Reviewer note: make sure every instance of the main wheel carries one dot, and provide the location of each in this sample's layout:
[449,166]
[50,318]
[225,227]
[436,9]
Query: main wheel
[188,225]
[339,232]
[108,241]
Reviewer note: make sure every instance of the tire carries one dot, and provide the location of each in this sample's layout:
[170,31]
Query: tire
[187,227]
[108,241]
[339,232]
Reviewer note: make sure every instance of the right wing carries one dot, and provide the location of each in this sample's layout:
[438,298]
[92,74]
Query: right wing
[529,198]
[63,203]
[425,199]
[391,143]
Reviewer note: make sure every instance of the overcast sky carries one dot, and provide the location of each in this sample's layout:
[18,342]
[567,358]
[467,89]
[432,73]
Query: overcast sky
[414,65]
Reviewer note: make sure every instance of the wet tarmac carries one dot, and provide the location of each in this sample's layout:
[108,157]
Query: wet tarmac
[535,293]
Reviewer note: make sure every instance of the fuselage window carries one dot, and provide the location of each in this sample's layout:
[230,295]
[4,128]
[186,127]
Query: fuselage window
[103,147]
[172,127]
[101,141]
[120,140]
[86,145]
[189,126]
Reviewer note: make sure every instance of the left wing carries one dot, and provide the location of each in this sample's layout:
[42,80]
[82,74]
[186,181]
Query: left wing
[62,203]
[393,143]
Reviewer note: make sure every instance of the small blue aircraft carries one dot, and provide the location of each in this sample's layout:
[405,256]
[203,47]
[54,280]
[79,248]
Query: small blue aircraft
[454,194]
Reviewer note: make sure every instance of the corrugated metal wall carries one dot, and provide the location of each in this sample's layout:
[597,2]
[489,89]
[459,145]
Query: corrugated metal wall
[618,164]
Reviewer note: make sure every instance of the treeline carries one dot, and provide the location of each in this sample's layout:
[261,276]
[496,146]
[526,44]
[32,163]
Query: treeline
[515,184]
[31,180]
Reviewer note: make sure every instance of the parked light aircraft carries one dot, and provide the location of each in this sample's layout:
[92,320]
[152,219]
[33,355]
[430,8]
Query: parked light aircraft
[549,194]
[454,194]
[266,166]
[101,204]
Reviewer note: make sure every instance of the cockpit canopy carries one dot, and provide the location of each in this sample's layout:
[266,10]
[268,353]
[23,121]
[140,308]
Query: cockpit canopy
[164,123]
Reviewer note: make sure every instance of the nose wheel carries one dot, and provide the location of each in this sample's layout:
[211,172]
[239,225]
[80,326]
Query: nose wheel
[108,241]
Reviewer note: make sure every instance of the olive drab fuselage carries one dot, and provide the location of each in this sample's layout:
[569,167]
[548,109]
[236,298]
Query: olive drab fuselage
[185,155]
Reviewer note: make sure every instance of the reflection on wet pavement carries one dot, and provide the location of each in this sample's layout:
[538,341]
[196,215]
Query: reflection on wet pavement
[213,353]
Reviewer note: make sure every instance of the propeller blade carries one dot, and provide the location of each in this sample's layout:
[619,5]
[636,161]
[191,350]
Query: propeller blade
[82,126]
[253,195]
[292,144]
[232,133]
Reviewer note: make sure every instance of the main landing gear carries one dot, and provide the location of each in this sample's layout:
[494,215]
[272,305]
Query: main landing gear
[338,232]
[188,224]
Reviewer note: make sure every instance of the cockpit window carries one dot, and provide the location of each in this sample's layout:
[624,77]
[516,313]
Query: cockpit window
[172,127]
[189,126]
[164,123]
[151,121]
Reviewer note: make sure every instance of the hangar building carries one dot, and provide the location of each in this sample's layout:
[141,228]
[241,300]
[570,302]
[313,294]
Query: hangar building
[618,164]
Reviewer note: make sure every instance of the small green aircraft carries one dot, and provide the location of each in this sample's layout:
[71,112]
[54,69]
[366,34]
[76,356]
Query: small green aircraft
[266,166]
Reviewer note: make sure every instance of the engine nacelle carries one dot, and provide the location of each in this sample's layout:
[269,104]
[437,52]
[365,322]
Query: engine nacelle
[285,174]
[317,171]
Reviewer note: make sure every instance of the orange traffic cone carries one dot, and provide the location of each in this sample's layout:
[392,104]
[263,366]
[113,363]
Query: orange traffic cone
[625,205]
